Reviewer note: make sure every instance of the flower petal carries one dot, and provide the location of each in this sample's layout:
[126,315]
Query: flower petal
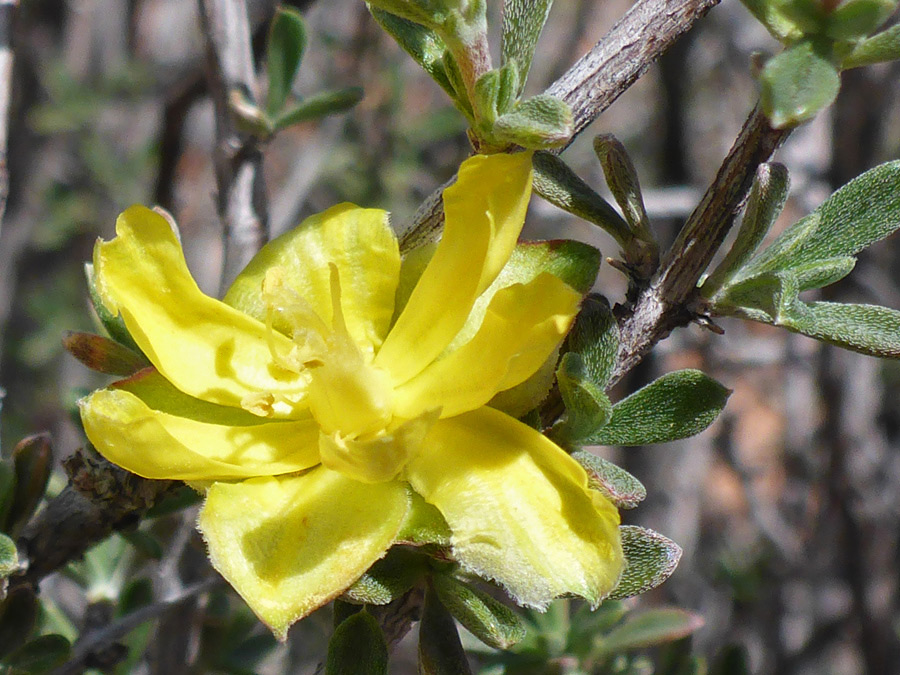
[156,444]
[519,509]
[359,242]
[485,210]
[523,325]
[289,544]
[204,347]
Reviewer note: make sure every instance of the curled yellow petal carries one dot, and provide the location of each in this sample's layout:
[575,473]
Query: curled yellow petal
[522,326]
[201,345]
[485,210]
[519,509]
[156,444]
[289,544]
[359,242]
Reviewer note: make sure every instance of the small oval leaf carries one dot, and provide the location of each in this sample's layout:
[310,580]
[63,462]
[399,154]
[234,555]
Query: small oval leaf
[287,42]
[492,622]
[538,123]
[357,646]
[104,355]
[797,84]
[612,481]
[440,651]
[650,559]
[650,628]
[40,655]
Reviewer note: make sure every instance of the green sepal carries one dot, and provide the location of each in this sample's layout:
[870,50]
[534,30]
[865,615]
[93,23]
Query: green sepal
[523,22]
[103,354]
[18,614]
[650,628]
[622,179]
[611,480]
[112,323]
[588,407]
[423,44]
[855,19]
[508,89]
[33,461]
[389,578]
[677,405]
[764,204]
[357,646]
[285,47]
[319,105]
[559,185]
[458,91]
[797,84]
[440,651]
[424,524]
[539,123]
[595,337]
[650,559]
[492,622]
[9,557]
[40,655]
[884,46]
[487,94]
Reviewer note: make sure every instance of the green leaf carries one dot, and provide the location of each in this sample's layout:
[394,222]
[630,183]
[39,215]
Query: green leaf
[650,628]
[523,21]
[612,481]
[766,201]
[33,460]
[458,92]
[18,614]
[389,578]
[103,354]
[769,14]
[320,105]
[855,19]
[357,646]
[287,42]
[822,272]
[40,655]
[650,559]
[595,337]
[797,84]
[508,90]
[559,185]
[538,123]
[487,92]
[423,44]
[492,622]
[588,408]
[677,405]
[440,651]
[868,329]
[9,556]
[879,48]
[622,179]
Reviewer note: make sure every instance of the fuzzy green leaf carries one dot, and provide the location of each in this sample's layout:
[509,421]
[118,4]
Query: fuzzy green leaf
[595,337]
[612,481]
[677,405]
[622,179]
[523,21]
[287,42]
[40,655]
[440,651]
[424,524]
[797,84]
[855,19]
[508,91]
[868,329]
[653,627]
[320,105]
[588,407]
[879,48]
[538,123]
[487,94]
[650,559]
[357,646]
[389,578]
[492,622]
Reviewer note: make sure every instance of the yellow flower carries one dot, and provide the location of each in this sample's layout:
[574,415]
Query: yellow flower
[337,386]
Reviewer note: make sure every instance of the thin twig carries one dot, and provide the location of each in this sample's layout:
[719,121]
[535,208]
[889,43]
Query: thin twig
[241,202]
[7,15]
[93,642]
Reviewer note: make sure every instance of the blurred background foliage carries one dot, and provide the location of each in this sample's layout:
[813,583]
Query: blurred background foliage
[788,508]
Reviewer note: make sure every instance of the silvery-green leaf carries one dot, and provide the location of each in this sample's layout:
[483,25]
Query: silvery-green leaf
[508,92]
[538,123]
[821,273]
[677,405]
[389,578]
[523,21]
[287,41]
[797,84]
[487,92]
[595,337]
[868,329]
[766,201]
[622,179]
[884,46]
[588,407]
[650,559]
[319,105]
[492,622]
[559,185]
[614,482]
[457,85]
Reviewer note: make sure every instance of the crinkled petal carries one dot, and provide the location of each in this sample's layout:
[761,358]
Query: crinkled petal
[289,544]
[156,444]
[359,242]
[522,326]
[203,346]
[485,210]
[519,509]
